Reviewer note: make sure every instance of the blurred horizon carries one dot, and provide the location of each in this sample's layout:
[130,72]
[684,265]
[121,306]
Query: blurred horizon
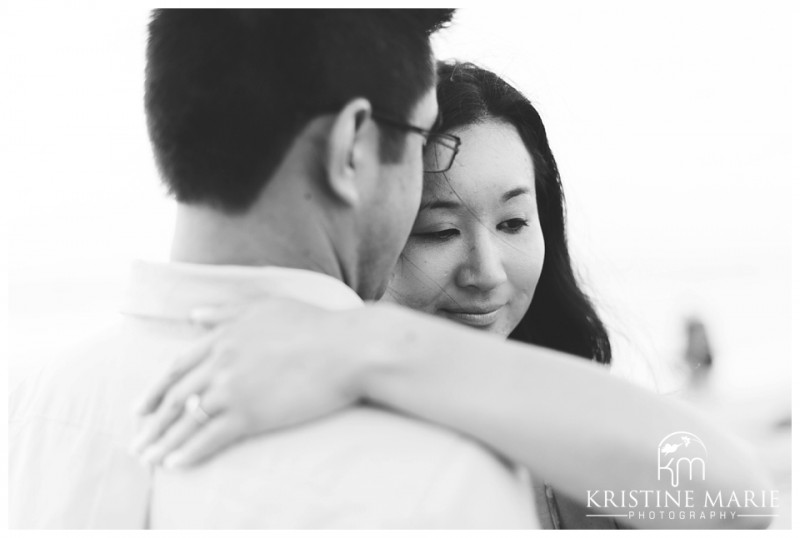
[674,156]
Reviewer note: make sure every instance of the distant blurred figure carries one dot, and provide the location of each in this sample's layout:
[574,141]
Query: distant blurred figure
[698,355]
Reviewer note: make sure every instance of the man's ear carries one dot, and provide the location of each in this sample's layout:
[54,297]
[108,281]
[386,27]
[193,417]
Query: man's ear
[349,148]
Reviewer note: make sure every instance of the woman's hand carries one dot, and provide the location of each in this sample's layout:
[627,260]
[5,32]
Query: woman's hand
[271,365]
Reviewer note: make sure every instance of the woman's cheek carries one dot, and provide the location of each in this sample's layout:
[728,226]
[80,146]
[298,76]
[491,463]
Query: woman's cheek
[422,275]
[535,262]
[524,264]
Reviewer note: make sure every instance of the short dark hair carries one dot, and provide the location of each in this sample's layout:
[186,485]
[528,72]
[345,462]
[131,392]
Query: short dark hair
[227,91]
[560,316]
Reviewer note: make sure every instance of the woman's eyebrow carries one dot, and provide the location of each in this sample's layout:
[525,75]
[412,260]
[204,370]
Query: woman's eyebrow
[515,192]
[445,203]
[440,203]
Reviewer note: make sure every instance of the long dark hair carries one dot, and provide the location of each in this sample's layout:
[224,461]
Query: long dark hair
[560,316]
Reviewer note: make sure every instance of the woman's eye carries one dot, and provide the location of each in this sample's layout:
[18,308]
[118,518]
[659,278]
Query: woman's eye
[512,225]
[441,235]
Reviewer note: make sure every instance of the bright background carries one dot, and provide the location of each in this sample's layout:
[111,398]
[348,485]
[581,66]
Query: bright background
[670,123]
[671,131]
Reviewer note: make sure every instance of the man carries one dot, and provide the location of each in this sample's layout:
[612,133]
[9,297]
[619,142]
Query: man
[292,142]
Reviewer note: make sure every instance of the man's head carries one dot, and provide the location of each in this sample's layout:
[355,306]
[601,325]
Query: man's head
[230,92]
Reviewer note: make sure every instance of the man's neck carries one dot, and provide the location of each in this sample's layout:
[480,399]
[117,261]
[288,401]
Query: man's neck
[280,237]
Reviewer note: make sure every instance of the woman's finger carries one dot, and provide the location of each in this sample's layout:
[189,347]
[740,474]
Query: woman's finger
[217,435]
[182,429]
[172,406]
[183,364]
[153,427]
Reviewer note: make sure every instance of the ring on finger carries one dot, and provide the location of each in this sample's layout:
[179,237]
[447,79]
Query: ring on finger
[195,409]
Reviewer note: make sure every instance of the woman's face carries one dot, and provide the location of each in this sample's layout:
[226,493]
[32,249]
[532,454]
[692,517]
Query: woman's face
[476,249]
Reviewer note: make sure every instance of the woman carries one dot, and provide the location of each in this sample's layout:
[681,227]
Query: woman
[488,250]
[503,140]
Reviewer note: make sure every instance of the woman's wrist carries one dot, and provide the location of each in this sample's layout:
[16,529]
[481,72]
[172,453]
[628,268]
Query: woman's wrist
[386,329]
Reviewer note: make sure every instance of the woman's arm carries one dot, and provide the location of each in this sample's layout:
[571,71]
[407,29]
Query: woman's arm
[564,418]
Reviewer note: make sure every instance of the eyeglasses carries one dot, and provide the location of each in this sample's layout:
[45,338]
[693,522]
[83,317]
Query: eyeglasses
[436,161]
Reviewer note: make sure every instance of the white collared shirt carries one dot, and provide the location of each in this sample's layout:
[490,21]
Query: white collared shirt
[71,425]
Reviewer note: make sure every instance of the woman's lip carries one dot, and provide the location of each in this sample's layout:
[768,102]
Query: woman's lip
[476,319]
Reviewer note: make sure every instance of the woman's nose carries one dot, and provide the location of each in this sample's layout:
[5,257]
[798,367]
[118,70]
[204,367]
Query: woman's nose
[483,267]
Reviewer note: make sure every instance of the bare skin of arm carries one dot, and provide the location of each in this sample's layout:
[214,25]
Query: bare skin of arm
[543,408]
[564,418]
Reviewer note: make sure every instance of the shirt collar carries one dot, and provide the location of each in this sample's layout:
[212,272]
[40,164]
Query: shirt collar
[172,290]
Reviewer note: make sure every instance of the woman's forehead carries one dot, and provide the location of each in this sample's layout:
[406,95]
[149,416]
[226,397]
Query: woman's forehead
[492,161]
